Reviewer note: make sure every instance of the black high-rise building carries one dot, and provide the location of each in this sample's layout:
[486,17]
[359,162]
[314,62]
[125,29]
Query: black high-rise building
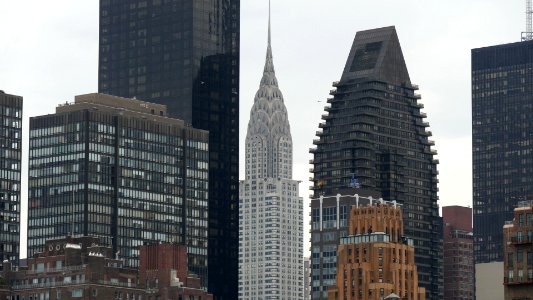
[502,141]
[122,170]
[10,167]
[185,54]
[374,131]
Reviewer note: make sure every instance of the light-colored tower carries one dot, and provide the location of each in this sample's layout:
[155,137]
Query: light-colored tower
[270,209]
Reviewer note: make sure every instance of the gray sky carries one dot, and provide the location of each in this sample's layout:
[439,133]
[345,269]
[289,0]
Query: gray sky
[49,54]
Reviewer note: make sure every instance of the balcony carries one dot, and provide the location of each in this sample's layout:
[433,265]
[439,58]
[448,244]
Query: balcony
[521,240]
[517,281]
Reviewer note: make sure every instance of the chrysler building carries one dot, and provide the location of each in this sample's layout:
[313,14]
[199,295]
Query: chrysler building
[270,209]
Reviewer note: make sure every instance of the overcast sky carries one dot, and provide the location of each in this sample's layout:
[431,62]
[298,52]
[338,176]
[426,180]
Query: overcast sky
[49,54]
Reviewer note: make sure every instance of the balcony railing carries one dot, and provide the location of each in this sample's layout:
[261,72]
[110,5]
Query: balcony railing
[517,280]
[114,283]
[47,284]
[55,270]
[521,240]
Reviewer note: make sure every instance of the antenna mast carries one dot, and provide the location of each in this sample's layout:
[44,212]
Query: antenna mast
[528,35]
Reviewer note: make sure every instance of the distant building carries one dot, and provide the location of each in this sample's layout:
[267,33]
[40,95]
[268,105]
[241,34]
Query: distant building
[502,122]
[518,253]
[185,54]
[122,170]
[79,267]
[270,208]
[307,278]
[375,128]
[329,223]
[489,283]
[376,260]
[10,167]
[459,273]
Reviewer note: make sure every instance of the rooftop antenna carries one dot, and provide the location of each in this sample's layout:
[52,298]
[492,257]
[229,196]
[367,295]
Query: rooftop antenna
[528,34]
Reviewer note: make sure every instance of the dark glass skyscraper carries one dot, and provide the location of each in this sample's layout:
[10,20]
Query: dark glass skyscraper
[374,129]
[185,54]
[10,166]
[121,170]
[502,141]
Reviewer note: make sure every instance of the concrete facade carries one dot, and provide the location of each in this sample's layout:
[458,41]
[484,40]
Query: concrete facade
[489,283]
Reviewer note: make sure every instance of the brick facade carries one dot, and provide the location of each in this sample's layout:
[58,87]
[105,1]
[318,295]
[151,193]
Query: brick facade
[376,260]
[79,268]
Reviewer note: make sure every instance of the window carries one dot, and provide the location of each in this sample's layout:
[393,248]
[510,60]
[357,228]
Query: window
[329,217]
[510,260]
[77,293]
[519,256]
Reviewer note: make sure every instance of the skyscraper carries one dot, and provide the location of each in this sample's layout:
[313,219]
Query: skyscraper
[10,157]
[185,54]
[270,208]
[459,273]
[374,130]
[121,170]
[502,141]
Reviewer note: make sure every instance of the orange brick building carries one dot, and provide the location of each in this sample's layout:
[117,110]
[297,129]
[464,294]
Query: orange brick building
[376,260]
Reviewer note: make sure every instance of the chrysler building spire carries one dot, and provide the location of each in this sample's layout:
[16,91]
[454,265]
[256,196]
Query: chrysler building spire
[269,141]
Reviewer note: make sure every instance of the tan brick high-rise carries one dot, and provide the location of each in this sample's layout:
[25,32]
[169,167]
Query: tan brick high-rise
[375,260]
[518,253]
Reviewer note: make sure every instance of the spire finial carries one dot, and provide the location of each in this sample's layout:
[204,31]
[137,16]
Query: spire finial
[269,78]
[269,40]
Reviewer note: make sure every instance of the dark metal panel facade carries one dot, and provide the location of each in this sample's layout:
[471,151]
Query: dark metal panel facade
[502,141]
[185,54]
